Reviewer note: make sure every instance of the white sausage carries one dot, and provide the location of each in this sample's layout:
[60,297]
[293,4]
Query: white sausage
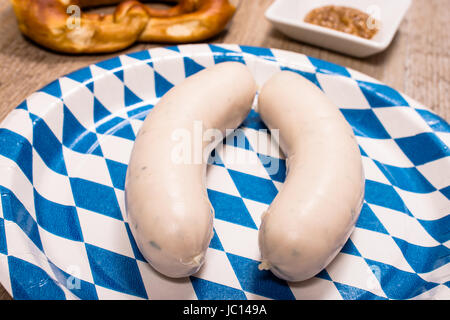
[314,213]
[167,204]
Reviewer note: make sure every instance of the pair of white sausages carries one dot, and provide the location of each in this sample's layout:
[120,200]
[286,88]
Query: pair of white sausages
[312,216]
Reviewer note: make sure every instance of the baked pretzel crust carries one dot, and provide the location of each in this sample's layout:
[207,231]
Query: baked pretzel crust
[46,23]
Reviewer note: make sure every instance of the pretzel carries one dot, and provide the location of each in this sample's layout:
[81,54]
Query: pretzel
[47,22]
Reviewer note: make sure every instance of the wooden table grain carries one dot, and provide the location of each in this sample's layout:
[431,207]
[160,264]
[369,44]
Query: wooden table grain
[417,62]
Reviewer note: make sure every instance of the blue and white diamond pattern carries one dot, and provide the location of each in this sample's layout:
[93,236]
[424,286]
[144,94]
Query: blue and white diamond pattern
[63,157]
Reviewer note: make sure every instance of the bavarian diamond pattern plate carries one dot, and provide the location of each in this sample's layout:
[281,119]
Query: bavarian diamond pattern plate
[64,152]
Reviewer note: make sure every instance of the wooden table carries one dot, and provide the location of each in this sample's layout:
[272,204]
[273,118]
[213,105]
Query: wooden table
[417,62]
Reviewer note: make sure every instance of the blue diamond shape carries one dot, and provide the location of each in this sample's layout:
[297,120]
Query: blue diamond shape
[137,254]
[53,89]
[438,228]
[115,271]
[446,192]
[424,259]
[173,48]
[434,121]
[140,55]
[110,64]
[131,98]
[350,248]
[253,121]
[368,220]
[29,282]
[119,74]
[82,289]
[263,282]
[81,75]
[191,67]
[18,149]
[48,146]
[87,194]
[384,195]
[215,242]
[423,148]
[398,284]
[162,85]
[3,245]
[207,290]
[140,113]
[23,105]
[276,167]
[409,179]
[57,218]
[14,210]
[77,137]
[308,75]
[118,172]
[380,95]
[230,208]
[323,275]
[225,54]
[352,293]
[254,188]
[265,53]
[328,67]
[365,123]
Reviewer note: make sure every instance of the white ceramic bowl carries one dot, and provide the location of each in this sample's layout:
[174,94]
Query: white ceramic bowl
[288,16]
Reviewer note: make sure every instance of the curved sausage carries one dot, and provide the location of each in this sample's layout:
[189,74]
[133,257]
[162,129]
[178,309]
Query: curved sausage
[314,213]
[167,204]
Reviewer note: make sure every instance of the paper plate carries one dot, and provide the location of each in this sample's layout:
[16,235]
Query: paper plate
[64,153]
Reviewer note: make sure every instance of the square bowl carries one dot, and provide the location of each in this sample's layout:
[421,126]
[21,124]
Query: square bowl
[288,16]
